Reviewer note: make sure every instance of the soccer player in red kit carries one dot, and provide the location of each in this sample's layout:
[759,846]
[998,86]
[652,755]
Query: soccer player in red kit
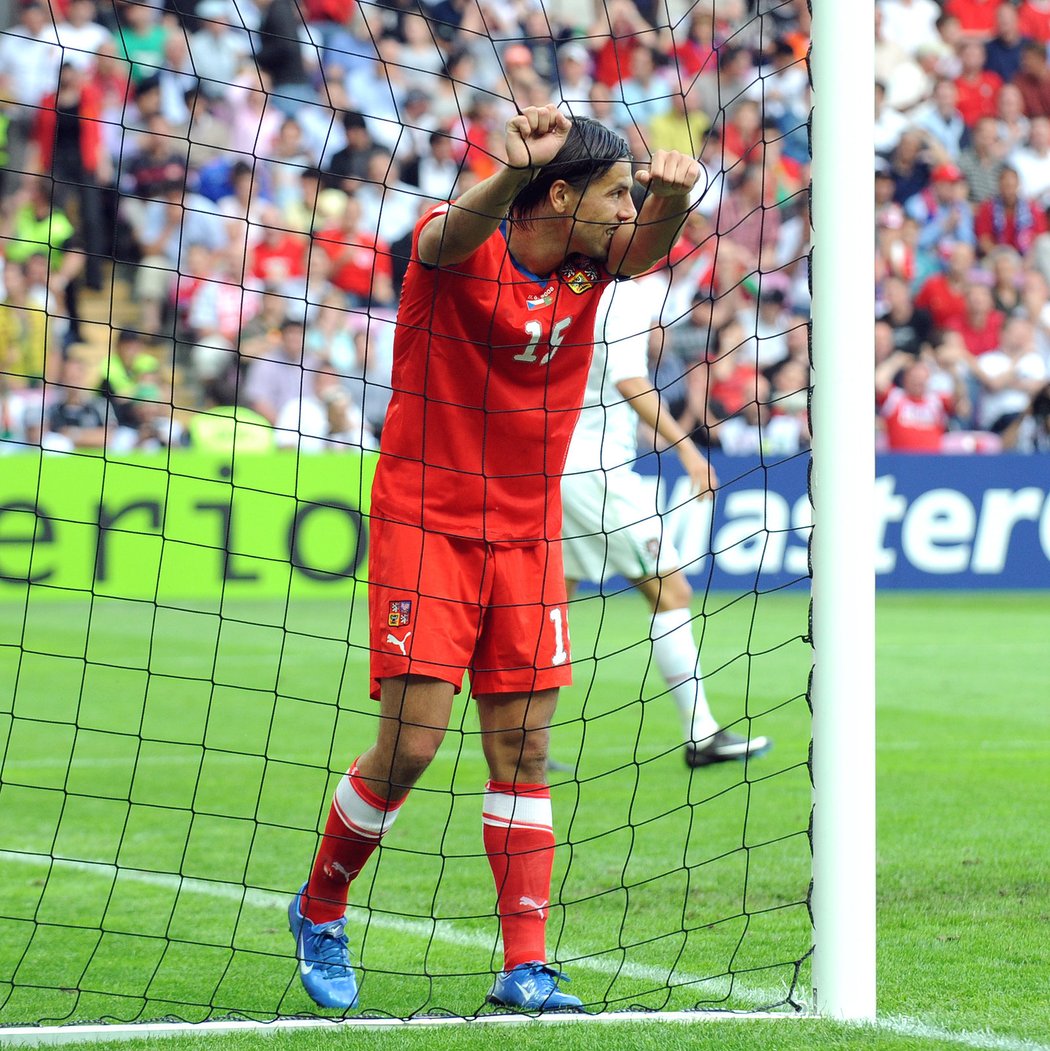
[493,343]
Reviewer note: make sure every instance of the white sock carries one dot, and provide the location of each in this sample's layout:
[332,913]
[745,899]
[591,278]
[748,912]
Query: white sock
[677,659]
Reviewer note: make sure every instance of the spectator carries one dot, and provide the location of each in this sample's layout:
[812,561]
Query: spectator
[351,162]
[982,160]
[982,324]
[681,127]
[909,168]
[280,53]
[952,374]
[75,416]
[388,205]
[21,418]
[68,147]
[1009,376]
[911,325]
[1033,80]
[789,394]
[284,375]
[1030,431]
[1032,162]
[323,420]
[1008,220]
[909,23]
[914,418]
[360,264]
[1034,20]
[80,36]
[217,49]
[439,169]
[141,37]
[1005,265]
[23,334]
[889,123]
[278,260]
[944,294]
[1012,126]
[767,324]
[120,376]
[977,86]
[160,160]
[941,120]
[1003,51]
[941,211]
[645,92]
[749,216]
[40,236]
[976,17]
[574,80]
[756,431]
[29,62]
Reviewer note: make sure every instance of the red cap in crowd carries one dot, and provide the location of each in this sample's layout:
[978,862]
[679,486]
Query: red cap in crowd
[946,173]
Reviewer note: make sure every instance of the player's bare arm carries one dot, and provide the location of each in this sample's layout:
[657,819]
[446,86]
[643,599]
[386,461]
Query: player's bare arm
[645,401]
[533,139]
[669,180]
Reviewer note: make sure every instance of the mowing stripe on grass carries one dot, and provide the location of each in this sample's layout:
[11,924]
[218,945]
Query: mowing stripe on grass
[434,929]
[903,1026]
[982,1039]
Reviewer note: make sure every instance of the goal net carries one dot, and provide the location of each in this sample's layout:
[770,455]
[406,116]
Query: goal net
[206,219]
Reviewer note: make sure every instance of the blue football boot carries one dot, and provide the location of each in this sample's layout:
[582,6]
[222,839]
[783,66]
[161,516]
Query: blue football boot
[532,987]
[324,959]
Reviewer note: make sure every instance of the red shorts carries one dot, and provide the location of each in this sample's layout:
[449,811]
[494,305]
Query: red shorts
[441,605]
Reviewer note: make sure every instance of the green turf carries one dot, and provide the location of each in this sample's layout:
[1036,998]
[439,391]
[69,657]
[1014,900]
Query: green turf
[207,746]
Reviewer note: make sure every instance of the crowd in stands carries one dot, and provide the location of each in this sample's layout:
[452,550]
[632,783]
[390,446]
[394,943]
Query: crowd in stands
[962,240]
[249,173]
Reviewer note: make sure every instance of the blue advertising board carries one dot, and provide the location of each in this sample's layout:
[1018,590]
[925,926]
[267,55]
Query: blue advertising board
[941,521]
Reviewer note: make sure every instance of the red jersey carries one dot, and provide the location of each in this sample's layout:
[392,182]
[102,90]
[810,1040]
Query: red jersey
[978,97]
[975,16]
[1034,20]
[915,425]
[490,364]
[356,262]
[946,305]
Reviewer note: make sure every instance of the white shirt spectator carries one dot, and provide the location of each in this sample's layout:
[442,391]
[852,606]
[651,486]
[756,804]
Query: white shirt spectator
[947,132]
[1033,168]
[29,64]
[993,405]
[80,43]
[909,23]
[219,47]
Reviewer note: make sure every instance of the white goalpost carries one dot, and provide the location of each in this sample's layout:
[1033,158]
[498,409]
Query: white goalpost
[841,953]
[843,693]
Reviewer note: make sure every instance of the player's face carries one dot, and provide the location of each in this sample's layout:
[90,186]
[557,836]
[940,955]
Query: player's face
[602,209]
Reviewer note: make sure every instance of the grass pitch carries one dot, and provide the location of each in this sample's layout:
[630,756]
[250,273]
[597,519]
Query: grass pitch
[164,772]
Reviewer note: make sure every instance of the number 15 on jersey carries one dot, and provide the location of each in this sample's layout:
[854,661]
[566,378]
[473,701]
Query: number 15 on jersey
[534,330]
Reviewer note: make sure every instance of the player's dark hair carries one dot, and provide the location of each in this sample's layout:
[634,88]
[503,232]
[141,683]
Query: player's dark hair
[590,150]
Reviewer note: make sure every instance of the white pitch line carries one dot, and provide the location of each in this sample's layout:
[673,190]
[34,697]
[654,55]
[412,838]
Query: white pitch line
[428,929]
[441,931]
[982,1039]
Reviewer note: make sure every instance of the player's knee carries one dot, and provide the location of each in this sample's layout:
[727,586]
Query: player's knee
[675,592]
[408,757]
[517,756]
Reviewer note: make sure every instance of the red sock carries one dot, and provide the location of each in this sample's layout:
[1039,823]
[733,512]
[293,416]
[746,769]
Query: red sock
[357,821]
[519,841]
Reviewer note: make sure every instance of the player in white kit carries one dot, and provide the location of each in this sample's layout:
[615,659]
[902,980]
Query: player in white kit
[611,524]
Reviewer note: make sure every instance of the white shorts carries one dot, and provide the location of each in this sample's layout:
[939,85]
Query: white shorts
[610,526]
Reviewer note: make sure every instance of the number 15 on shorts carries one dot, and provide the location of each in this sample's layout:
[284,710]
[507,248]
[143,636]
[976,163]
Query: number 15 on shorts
[561,636]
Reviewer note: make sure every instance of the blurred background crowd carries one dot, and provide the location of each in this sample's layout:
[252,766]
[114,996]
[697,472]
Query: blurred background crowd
[206,206]
[962,240]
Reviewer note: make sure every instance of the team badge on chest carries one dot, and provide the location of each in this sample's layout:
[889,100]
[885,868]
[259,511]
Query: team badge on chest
[579,274]
[400,613]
